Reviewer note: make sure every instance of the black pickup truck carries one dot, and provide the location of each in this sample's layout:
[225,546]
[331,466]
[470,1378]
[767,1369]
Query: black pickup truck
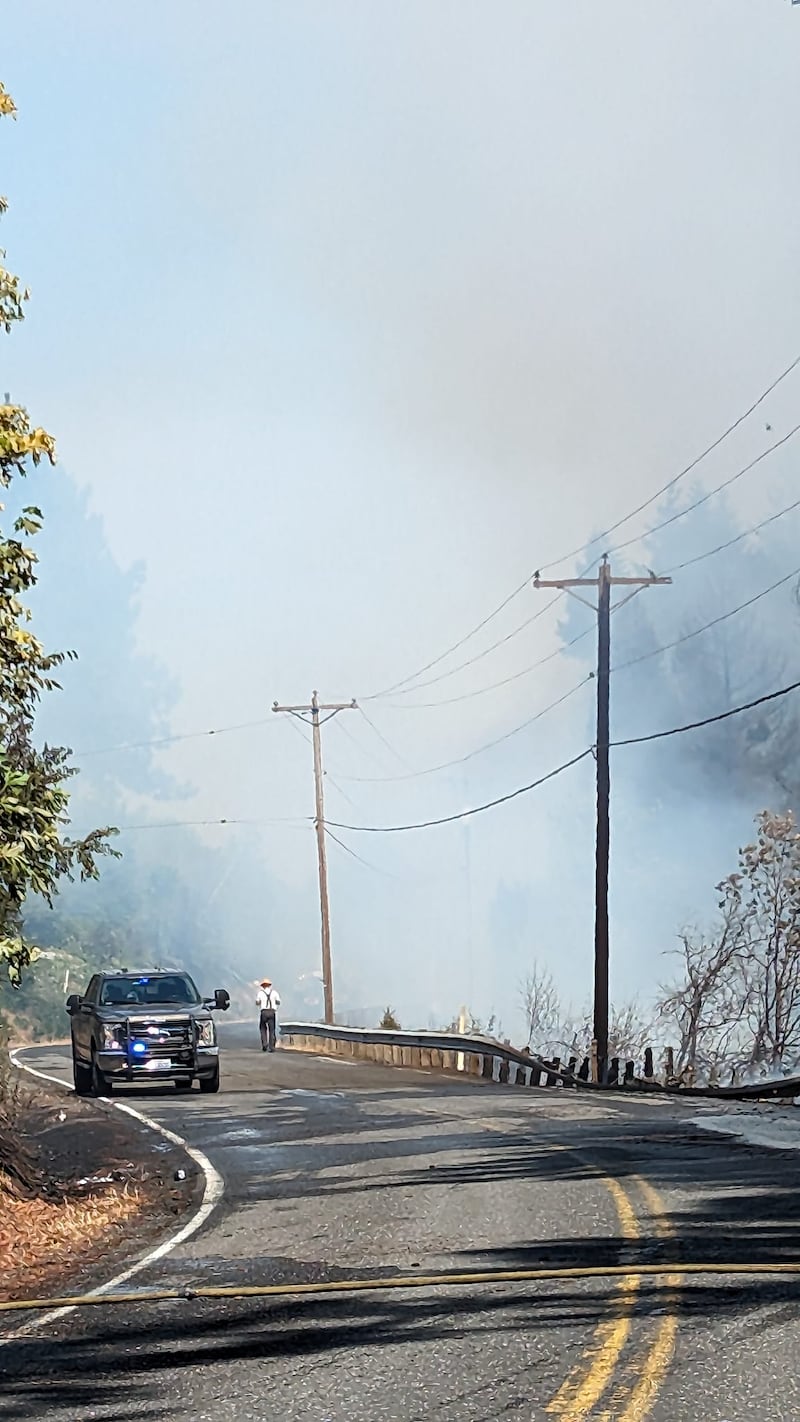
[144,1027]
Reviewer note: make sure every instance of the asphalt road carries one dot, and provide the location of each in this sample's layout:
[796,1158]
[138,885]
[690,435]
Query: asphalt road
[336,1170]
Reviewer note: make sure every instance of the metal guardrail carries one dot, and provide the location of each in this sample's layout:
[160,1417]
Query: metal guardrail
[473,1055]
[497,1061]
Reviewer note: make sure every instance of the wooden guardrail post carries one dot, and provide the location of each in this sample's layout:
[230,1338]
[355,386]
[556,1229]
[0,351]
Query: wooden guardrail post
[630,1068]
[613,1072]
[648,1064]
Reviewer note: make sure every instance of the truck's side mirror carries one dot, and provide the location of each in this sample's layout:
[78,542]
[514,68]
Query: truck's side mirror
[222,999]
[74,1003]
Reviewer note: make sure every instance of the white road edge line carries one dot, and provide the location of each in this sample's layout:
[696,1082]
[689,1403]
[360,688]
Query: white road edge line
[213,1191]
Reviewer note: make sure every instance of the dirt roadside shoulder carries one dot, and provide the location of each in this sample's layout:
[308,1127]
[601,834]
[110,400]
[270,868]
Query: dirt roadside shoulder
[84,1191]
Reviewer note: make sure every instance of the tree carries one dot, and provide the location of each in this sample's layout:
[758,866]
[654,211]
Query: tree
[737,1003]
[541,1007]
[35,854]
[552,1028]
[389,1022]
[703,1006]
[764,898]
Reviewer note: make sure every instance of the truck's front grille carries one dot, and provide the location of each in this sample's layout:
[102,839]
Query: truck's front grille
[172,1037]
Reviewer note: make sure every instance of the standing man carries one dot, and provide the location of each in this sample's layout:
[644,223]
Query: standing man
[268,1002]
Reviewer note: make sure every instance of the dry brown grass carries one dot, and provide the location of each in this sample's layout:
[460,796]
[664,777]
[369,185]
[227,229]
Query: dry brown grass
[40,1239]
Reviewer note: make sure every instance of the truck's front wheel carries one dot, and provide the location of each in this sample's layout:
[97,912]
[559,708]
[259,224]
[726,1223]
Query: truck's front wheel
[81,1076]
[210,1083]
[101,1086]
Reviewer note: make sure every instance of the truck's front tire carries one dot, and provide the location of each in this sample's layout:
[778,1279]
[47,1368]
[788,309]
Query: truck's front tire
[210,1083]
[101,1086]
[81,1076]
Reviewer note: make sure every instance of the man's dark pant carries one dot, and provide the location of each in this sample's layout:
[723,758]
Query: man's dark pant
[267,1029]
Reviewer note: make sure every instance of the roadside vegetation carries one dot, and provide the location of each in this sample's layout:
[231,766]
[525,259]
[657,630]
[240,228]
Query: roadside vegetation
[40,1218]
[71,1174]
[36,851]
[731,1010]
[44,1219]
[556,1029]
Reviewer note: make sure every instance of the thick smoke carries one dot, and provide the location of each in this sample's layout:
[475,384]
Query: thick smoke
[682,806]
[754,757]
[173,898]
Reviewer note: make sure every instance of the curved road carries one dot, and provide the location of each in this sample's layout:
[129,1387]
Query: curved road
[337,1170]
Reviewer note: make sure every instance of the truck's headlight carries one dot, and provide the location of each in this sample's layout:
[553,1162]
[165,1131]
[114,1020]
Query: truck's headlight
[206,1034]
[111,1036]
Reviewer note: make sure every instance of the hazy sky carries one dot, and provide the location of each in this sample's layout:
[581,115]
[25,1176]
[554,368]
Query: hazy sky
[350,315]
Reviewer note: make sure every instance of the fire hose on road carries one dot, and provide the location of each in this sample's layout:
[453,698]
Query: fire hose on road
[405,1281]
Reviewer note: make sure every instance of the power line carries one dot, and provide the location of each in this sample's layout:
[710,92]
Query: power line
[292,721]
[711,552]
[524,789]
[337,787]
[721,547]
[466,814]
[496,686]
[704,498]
[676,568]
[170,740]
[447,765]
[594,542]
[191,736]
[657,528]
[455,647]
[491,804]
[294,822]
[490,745]
[345,731]
[403,690]
[385,873]
[381,737]
[715,622]
[249,725]
[677,477]
[709,720]
[359,857]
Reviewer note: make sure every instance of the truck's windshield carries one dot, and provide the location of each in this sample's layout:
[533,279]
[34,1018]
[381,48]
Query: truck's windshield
[149,991]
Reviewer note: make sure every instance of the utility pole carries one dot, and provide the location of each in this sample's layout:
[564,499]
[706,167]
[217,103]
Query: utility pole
[604,582]
[303,713]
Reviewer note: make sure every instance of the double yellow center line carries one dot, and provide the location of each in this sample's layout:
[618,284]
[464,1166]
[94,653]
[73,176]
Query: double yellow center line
[590,1383]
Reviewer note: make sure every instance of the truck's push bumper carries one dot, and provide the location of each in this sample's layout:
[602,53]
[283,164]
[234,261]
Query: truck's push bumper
[120,1066]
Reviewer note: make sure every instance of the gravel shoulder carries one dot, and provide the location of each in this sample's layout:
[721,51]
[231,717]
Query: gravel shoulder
[105,1188]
